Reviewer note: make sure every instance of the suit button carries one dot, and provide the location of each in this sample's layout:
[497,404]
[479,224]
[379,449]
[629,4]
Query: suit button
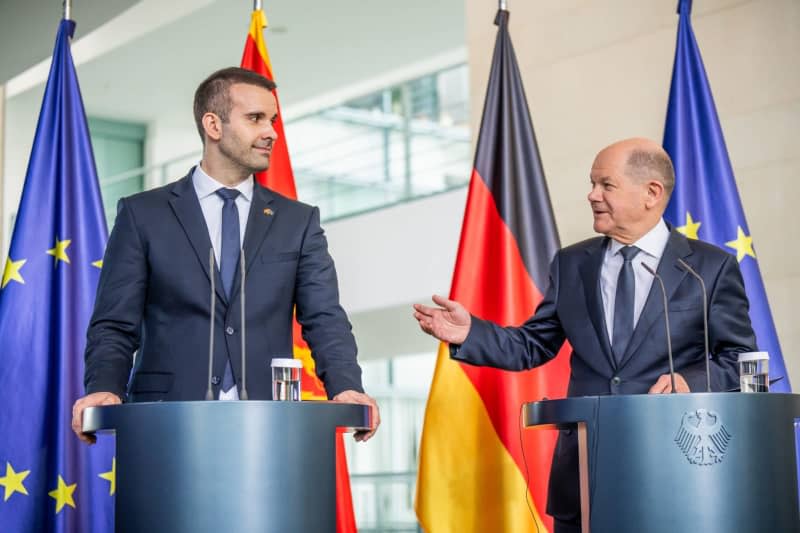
[616,380]
[215,380]
[229,330]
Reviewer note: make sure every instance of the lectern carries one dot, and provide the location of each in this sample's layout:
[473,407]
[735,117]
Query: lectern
[215,467]
[708,462]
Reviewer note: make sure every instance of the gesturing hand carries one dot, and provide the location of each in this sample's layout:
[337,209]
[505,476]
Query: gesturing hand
[449,323]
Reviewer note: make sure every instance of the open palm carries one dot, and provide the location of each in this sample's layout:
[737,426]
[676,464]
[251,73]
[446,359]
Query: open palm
[450,322]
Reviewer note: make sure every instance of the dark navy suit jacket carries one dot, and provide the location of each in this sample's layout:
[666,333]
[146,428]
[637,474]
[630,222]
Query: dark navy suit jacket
[154,297]
[572,310]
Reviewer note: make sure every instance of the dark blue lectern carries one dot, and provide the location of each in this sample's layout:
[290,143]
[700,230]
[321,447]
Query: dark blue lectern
[218,467]
[711,462]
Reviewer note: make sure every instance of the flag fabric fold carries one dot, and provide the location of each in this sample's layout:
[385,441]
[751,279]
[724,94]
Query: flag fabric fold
[706,204]
[50,480]
[474,456]
[280,178]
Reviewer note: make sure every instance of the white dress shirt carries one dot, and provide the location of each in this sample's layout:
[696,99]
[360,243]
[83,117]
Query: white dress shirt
[211,204]
[652,246]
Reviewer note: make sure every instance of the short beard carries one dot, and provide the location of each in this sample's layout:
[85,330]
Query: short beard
[239,163]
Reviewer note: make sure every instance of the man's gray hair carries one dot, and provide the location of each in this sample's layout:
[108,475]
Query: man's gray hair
[651,164]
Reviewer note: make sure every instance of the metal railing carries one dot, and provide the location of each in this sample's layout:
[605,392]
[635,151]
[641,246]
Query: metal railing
[405,142]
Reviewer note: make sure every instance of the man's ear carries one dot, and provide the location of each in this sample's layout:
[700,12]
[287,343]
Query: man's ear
[655,194]
[212,125]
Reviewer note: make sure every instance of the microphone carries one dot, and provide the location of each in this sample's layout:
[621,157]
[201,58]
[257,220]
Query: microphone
[213,275]
[243,393]
[666,320]
[697,276]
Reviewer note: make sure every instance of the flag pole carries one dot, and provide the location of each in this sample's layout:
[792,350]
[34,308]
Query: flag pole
[256,5]
[503,5]
[67,9]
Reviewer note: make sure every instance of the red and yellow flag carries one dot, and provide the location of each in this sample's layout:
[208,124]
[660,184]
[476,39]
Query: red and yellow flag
[280,178]
[472,468]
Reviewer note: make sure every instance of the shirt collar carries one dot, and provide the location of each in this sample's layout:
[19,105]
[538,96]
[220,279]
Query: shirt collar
[205,185]
[652,243]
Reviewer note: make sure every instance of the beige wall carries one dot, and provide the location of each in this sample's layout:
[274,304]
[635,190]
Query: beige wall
[596,71]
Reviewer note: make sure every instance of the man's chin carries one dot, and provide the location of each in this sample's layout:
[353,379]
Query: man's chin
[599,227]
[261,167]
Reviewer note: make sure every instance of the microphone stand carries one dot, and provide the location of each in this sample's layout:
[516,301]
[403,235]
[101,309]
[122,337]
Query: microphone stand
[697,276]
[213,275]
[243,392]
[666,320]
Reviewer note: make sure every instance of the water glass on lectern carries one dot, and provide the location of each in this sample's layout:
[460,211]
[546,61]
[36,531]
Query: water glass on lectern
[286,375]
[754,371]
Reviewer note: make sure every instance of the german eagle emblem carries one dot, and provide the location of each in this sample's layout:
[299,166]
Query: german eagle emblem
[702,438]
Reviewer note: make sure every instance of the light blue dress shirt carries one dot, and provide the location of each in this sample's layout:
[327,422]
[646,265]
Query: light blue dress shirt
[652,246]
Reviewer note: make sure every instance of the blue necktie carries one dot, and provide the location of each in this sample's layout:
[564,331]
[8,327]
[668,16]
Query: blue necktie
[229,258]
[624,303]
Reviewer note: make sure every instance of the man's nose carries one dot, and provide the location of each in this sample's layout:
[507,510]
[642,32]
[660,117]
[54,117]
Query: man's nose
[269,133]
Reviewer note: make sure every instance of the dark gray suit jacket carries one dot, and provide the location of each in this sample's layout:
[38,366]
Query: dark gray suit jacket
[572,310]
[153,296]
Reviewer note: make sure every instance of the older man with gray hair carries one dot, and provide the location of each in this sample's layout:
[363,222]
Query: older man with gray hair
[601,299]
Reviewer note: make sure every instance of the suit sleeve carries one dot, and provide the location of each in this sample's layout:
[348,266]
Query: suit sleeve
[326,328]
[729,331]
[114,330]
[533,344]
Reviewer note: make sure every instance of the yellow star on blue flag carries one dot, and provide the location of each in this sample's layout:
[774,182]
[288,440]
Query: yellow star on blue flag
[12,272]
[63,494]
[59,251]
[743,245]
[111,477]
[690,228]
[12,482]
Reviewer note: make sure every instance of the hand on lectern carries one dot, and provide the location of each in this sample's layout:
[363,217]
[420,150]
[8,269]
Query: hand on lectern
[351,396]
[95,399]
[449,323]
[664,385]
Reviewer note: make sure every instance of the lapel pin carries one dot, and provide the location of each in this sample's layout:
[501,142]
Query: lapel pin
[269,212]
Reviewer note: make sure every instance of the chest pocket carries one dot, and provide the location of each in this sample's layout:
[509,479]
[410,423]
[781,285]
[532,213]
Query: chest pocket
[685,305]
[279,257]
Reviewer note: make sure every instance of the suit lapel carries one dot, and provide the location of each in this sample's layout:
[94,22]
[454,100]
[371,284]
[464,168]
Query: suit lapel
[590,275]
[186,207]
[259,221]
[677,247]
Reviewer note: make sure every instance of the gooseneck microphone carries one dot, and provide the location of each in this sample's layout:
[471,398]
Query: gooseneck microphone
[243,393]
[666,320]
[697,276]
[213,275]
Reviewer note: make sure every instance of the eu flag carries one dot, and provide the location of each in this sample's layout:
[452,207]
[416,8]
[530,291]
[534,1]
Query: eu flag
[705,204]
[51,481]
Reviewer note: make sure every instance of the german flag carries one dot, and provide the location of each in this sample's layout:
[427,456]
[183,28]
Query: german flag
[280,178]
[472,470]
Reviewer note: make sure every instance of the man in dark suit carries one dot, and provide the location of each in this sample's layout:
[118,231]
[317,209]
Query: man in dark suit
[604,302]
[154,289]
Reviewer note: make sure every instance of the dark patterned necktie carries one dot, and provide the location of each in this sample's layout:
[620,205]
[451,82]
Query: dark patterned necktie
[624,303]
[229,258]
